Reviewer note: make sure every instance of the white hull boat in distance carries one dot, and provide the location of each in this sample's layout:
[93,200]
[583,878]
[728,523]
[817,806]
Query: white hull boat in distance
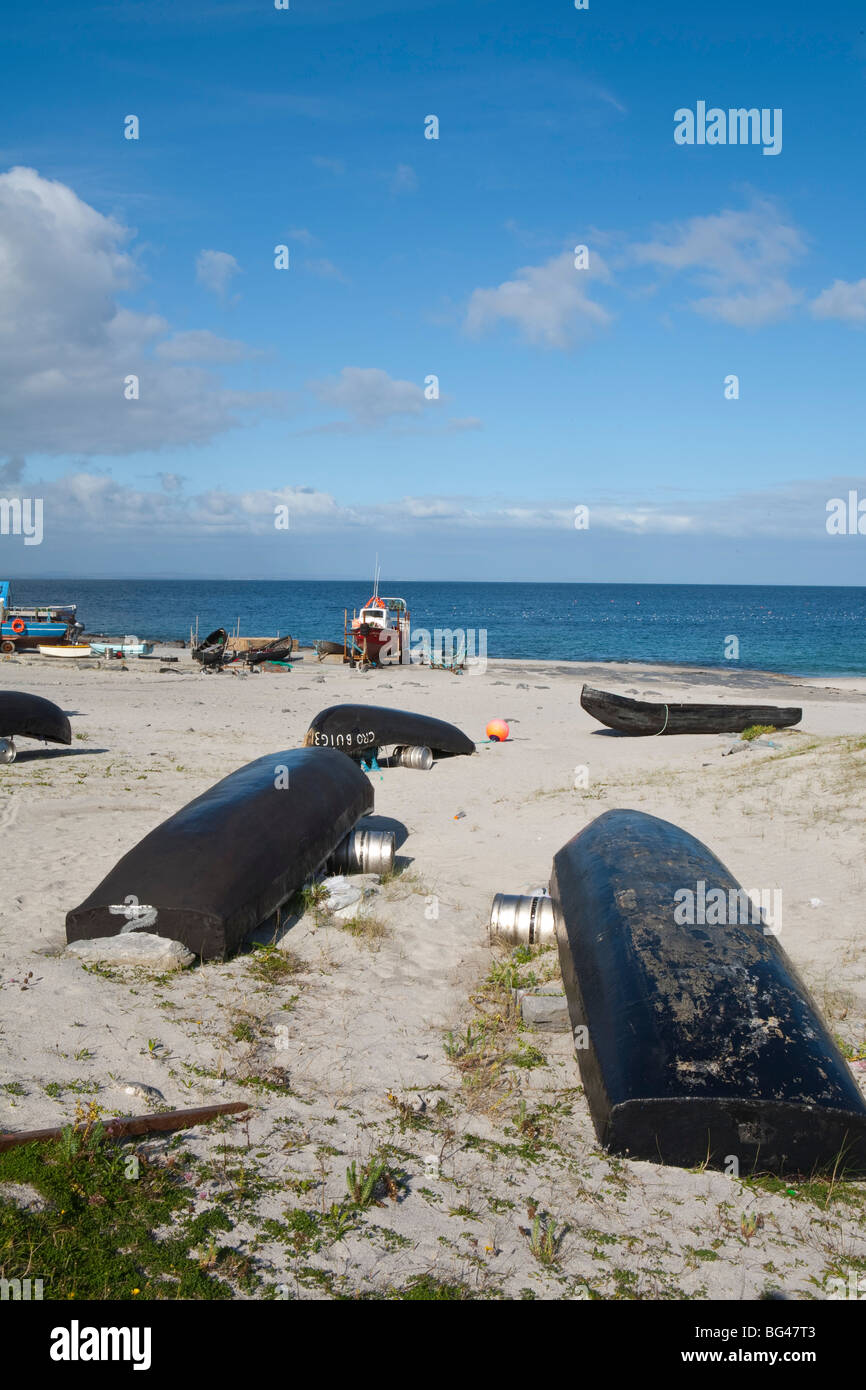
[67,651]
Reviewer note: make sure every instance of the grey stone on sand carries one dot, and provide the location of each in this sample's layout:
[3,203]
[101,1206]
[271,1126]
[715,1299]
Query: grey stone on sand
[23,1196]
[138,1088]
[340,893]
[133,948]
[546,1009]
[363,888]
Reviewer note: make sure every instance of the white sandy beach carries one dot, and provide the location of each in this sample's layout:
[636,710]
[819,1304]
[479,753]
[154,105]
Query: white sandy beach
[359,1032]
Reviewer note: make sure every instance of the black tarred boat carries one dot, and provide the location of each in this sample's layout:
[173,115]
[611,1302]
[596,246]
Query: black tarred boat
[643,717]
[360,730]
[278,650]
[212,651]
[221,866]
[696,1038]
[29,716]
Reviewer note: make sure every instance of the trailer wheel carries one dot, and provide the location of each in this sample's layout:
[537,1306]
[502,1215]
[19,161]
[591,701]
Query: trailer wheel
[7,647]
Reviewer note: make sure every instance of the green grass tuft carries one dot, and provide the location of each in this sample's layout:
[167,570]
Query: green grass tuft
[95,1239]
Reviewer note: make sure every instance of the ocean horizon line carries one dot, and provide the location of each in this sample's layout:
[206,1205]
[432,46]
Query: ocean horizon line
[362,579]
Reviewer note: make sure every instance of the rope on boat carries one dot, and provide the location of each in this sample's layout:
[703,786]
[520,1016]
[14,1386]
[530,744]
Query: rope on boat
[665,725]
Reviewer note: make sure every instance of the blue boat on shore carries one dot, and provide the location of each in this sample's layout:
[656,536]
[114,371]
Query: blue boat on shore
[27,627]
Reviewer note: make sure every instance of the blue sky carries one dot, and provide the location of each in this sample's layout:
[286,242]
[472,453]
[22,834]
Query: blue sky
[411,257]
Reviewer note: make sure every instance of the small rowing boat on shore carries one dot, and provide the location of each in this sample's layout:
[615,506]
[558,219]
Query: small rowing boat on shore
[324,649]
[642,718]
[126,646]
[212,651]
[278,649]
[66,651]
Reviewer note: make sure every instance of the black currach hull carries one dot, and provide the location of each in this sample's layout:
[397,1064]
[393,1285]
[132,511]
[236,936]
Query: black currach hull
[643,718]
[219,867]
[278,650]
[362,729]
[212,651]
[697,1041]
[30,716]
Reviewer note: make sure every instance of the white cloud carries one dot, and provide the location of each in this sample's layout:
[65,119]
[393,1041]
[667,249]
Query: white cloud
[468,422]
[549,303]
[214,270]
[83,504]
[199,345]
[750,309]
[369,396]
[325,269]
[404,179]
[740,257]
[301,234]
[644,521]
[67,345]
[842,300]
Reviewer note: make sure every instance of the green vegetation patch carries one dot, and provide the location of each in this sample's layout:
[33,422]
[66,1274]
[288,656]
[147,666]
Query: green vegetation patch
[94,1238]
[756,730]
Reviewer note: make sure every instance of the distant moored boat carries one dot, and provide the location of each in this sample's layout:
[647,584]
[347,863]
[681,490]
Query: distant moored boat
[25,627]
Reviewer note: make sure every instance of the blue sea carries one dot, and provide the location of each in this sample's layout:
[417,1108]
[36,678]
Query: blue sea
[800,631]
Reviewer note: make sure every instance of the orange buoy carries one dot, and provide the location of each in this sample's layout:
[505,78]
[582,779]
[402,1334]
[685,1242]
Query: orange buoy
[18,624]
[497,730]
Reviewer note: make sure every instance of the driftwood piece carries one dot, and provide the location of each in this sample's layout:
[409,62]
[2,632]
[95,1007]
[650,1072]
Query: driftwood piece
[124,1125]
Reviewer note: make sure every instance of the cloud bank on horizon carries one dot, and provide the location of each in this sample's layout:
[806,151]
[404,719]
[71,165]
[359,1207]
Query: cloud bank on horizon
[437,345]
